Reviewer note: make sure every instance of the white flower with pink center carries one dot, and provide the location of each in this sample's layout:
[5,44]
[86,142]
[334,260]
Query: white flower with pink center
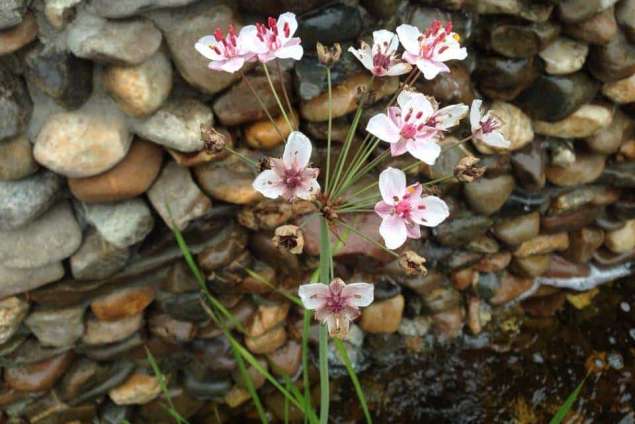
[415,125]
[336,304]
[275,40]
[381,59]
[290,177]
[485,128]
[227,53]
[429,50]
[403,209]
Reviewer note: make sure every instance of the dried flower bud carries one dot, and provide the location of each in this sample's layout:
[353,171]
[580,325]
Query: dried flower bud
[214,141]
[289,238]
[412,264]
[328,56]
[466,171]
[264,164]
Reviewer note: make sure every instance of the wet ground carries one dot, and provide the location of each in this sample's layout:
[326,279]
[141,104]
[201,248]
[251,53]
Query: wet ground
[521,374]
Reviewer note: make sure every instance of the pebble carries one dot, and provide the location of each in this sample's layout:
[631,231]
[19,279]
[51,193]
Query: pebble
[16,281]
[516,127]
[15,105]
[140,90]
[620,174]
[612,61]
[564,56]
[184,26]
[457,231]
[16,158]
[598,29]
[531,266]
[383,316]
[625,14]
[518,229]
[57,327]
[177,198]
[267,342]
[53,236]
[121,224]
[130,178]
[15,38]
[318,24]
[583,243]
[511,287]
[584,122]
[23,201]
[13,310]
[345,97]
[620,91]
[449,87]
[266,318]
[622,240]
[129,8]
[39,376]
[578,10]
[138,389]
[502,78]
[586,168]
[263,134]
[529,165]
[511,40]
[97,258]
[286,361]
[570,221]
[12,12]
[542,244]
[123,303]
[171,330]
[229,180]
[609,139]
[177,125]
[131,41]
[103,332]
[59,12]
[487,195]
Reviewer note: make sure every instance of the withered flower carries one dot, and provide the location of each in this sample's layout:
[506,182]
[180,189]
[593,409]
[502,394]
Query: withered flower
[412,264]
[466,171]
[328,56]
[214,141]
[289,238]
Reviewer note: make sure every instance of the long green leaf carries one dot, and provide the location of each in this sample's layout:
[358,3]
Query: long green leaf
[326,259]
[568,404]
[343,353]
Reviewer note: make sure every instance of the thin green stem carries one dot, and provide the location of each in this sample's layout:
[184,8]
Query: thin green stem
[343,353]
[284,86]
[262,105]
[326,259]
[305,360]
[330,128]
[251,162]
[275,95]
[368,239]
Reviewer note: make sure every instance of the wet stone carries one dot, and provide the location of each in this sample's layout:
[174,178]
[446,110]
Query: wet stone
[205,386]
[560,267]
[450,87]
[229,180]
[516,127]
[266,318]
[503,78]
[57,327]
[16,281]
[459,230]
[487,195]
[597,29]
[586,168]
[13,310]
[542,244]
[578,10]
[383,316]
[265,135]
[38,376]
[552,97]
[625,14]
[15,38]
[523,201]
[123,303]
[620,91]
[226,246]
[103,332]
[171,330]
[184,306]
[23,201]
[510,288]
[12,12]
[286,360]
[15,105]
[531,266]
[115,414]
[614,60]
[620,174]
[66,78]
[518,229]
[139,388]
[609,139]
[570,220]
[267,342]
[97,258]
[16,158]
[622,240]
[513,41]
[529,165]
[310,75]
[318,25]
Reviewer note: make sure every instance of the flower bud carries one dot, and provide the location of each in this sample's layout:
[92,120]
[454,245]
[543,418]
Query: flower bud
[328,56]
[289,238]
[214,140]
[466,171]
[412,264]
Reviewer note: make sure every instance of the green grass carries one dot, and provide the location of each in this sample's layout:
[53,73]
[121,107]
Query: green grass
[568,404]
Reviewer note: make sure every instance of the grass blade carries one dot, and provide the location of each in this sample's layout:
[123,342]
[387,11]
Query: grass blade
[568,404]
[343,353]
[164,388]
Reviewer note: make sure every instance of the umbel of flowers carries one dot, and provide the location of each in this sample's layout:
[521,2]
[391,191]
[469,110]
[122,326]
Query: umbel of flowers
[413,123]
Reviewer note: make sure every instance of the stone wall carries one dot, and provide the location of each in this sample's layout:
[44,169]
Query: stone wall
[101,104]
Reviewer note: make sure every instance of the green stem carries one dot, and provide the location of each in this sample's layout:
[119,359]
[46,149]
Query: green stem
[305,361]
[329,135]
[343,353]
[275,94]
[284,86]
[251,162]
[325,277]
[368,239]
[262,105]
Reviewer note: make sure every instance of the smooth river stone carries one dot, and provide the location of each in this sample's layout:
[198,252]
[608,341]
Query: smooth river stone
[317,25]
[24,200]
[138,389]
[266,318]
[266,135]
[570,221]
[586,168]
[346,97]
[16,281]
[620,91]
[39,376]
[551,98]
[140,90]
[85,142]
[501,78]
[564,56]
[531,266]
[128,8]
[15,105]
[613,61]
[122,303]
[511,40]
[268,342]
[129,178]
[103,332]
[16,158]
[171,330]
[13,310]
[450,87]
[584,122]
[583,243]
[184,26]
[518,229]
[50,238]
[57,327]
[229,180]
[609,139]
[12,12]
[177,198]
[122,224]
[460,230]
[15,38]
[516,127]
[598,29]
[129,42]
[487,195]
[620,174]
[286,361]
[529,165]
[177,124]
[97,258]
[542,244]
[579,10]
[625,14]
[622,240]
[383,316]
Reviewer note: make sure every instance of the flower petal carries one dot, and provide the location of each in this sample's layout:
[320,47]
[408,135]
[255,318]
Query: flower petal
[314,295]
[392,184]
[383,209]
[413,231]
[421,107]
[399,68]
[203,47]
[496,139]
[405,97]
[475,114]
[294,52]
[431,69]
[409,37]
[382,127]
[337,325]
[297,151]
[308,190]
[399,148]
[359,294]
[384,38]
[434,211]
[290,19]
[231,65]
[393,231]
[364,55]
[269,184]
[450,116]
[453,52]
[425,150]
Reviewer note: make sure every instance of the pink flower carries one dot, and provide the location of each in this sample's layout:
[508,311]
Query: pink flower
[485,128]
[228,53]
[415,126]
[290,177]
[429,50]
[336,304]
[381,60]
[275,39]
[403,209]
